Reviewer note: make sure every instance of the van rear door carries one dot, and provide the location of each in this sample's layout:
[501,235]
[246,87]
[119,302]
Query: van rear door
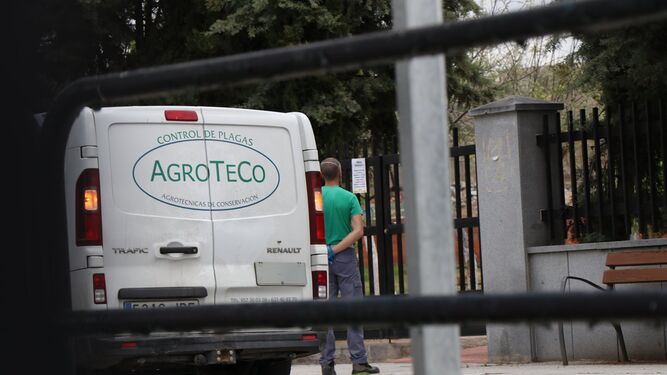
[260,211]
[156,219]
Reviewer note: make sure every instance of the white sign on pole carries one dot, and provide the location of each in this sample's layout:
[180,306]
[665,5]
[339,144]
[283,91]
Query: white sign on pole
[359,176]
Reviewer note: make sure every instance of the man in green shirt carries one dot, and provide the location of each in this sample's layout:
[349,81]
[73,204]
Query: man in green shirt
[343,226]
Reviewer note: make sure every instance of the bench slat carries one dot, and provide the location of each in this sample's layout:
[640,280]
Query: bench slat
[637,258]
[637,275]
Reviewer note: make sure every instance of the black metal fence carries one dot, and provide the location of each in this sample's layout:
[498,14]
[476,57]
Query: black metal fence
[467,241]
[607,173]
[382,252]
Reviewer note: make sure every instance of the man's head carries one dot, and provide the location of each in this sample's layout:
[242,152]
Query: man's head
[331,170]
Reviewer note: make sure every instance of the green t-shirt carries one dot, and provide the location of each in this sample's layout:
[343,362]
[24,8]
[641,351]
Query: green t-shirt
[339,207]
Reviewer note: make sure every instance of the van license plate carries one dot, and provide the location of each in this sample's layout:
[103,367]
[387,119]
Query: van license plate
[134,305]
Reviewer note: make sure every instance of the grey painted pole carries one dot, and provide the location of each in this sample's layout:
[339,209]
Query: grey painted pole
[423,133]
[511,179]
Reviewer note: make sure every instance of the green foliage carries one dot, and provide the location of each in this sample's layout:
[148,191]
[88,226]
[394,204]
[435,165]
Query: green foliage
[627,64]
[594,237]
[84,37]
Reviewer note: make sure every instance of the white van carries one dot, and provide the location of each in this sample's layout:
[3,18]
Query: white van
[171,207]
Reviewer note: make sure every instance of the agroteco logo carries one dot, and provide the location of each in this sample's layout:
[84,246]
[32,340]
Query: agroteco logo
[181,169]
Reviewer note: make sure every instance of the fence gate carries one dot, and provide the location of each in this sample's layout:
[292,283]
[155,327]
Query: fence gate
[382,249]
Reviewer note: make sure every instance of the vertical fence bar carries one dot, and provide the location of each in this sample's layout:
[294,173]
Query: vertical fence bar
[624,179]
[663,144]
[584,170]
[598,169]
[379,217]
[611,174]
[650,169]
[390,286]
[561,179]
[637,172]
[399,222]
[349,154]
[388,252]
[547,159]
[471,235]
[360,243]
[573,172]
[339,155]
[459,230]
[369,223]
[377,200]
[479,231]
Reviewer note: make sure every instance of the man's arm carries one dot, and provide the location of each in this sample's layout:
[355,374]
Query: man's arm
[352,237]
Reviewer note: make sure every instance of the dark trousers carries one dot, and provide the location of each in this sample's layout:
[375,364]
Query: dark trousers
[344,277]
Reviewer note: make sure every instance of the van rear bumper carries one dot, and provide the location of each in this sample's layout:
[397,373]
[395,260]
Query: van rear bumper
[133,351]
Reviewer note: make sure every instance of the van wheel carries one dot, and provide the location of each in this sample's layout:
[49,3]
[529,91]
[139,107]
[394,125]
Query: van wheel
[275,367]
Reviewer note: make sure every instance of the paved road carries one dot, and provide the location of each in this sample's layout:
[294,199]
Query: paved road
[551,368]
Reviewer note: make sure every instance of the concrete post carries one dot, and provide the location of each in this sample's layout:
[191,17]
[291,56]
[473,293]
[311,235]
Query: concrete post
[511,177]
[422,108]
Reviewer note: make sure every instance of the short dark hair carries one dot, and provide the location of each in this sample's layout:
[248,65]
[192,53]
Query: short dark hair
[330,168]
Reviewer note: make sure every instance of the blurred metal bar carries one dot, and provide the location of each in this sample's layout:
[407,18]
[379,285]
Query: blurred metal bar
[424,133]
[377,311]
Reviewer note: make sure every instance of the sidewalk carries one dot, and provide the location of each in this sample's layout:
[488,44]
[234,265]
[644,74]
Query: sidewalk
[550,368]
[393,357]
[473,350]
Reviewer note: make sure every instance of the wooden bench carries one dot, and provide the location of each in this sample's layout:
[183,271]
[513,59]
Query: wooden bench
[638,272]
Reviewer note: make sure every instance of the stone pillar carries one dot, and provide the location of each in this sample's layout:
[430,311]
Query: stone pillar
[511,178]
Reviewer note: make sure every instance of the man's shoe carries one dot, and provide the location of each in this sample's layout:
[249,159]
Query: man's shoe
[328,368]
[364,368]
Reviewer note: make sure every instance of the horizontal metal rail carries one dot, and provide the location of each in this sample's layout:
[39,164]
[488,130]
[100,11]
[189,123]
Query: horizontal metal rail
[378,311]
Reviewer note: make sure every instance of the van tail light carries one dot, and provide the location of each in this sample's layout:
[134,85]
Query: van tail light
[315,207]
[88,209]
[180,115]
[129,345]
[99,288]
[320,285]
